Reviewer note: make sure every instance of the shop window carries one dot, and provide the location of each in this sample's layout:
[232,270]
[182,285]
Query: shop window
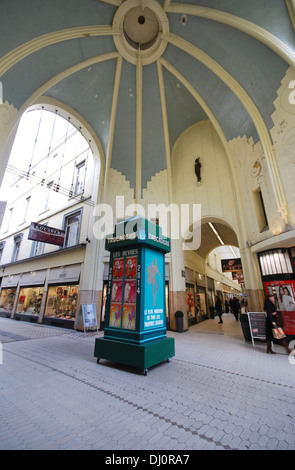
[72,229]
[260,210]
[29,300]
[7,300]
[190,304]
[62,302]
[104,302]
[274,262]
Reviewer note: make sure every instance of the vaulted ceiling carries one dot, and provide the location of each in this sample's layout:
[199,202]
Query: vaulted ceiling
[140,72]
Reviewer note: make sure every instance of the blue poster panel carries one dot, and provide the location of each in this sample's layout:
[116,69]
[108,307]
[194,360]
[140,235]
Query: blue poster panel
[154,298]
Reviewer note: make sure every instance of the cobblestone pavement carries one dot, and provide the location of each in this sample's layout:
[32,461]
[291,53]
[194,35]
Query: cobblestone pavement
[217,393]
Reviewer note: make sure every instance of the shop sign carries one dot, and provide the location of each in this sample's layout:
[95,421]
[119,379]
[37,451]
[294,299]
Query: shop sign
[257,325]
[230,265]
[46,234]
[238,276]
[89,316]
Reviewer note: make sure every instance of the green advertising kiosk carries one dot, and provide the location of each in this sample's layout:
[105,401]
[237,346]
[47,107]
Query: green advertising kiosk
[135,321]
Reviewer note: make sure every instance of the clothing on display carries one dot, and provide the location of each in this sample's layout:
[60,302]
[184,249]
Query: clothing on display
[62,302]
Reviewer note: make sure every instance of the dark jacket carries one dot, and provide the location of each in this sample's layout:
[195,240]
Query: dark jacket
[218,305]
[269,308]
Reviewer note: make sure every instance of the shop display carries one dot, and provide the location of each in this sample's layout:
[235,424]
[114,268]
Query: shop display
[190,304]
[7,300]
[62,302]
[284,293]
[201,306]
[29,300]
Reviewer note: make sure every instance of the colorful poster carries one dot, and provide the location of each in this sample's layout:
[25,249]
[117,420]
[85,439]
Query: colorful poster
[229,265]
[130,266]
[122,288]
[130,290]
[284,292]
[154,307]
[129,316]
[115,315]
[117,291]
[118,267]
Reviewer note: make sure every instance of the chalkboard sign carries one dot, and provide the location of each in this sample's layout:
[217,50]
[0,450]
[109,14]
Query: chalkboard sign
[257,325]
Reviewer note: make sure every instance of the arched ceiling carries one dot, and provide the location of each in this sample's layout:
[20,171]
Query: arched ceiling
[142,71]
[209,240]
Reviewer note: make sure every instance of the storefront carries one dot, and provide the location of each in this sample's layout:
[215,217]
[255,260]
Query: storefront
[62,296]
[8,295]
[277,270]
[211,295]
[201,306]
[190,296]
[30,296]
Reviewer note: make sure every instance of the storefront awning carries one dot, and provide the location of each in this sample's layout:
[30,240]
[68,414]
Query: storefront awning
[10,281]
[64,274]
[33,278]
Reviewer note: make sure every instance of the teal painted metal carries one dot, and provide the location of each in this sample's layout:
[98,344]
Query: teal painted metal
[141,356]
[135,324]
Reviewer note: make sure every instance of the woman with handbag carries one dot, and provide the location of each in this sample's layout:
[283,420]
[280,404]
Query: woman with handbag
[270,323]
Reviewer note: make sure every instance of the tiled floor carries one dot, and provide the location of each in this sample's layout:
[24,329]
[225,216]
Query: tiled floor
[218,392]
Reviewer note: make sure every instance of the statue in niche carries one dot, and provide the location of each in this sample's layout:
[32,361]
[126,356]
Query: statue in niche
[198,169]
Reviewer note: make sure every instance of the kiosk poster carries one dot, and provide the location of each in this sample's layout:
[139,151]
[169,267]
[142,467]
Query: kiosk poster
[122,289]
[154,308]
[284,292]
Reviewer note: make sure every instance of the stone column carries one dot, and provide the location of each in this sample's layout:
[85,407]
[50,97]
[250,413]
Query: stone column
[8,120]
[177,294]
[253,282]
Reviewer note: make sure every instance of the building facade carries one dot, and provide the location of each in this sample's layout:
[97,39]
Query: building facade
[182,104]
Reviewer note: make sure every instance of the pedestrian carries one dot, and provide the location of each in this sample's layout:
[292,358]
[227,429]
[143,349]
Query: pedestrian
[270,321]
[218,308]
[226,305]
[235,308]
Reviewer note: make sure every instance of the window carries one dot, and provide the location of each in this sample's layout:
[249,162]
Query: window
[48,193]
[37,248]
[72,229]
[9,219]
[275,262]
[260,210]
[17,241]
[80,177]
[27,203]
[2,245]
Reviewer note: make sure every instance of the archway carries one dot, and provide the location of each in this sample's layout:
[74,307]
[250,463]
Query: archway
[205,276]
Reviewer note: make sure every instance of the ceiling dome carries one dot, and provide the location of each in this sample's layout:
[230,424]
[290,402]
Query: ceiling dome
[142,72]
[139,30]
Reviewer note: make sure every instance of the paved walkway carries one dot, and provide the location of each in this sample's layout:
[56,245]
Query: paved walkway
[218,392]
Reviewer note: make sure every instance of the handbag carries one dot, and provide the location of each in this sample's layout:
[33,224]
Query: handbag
[278,333]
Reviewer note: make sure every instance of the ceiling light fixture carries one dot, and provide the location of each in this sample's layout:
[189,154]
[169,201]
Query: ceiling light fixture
[233,252]
[216,233]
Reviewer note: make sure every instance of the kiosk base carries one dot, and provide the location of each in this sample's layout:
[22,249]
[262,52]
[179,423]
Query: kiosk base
[141,356]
